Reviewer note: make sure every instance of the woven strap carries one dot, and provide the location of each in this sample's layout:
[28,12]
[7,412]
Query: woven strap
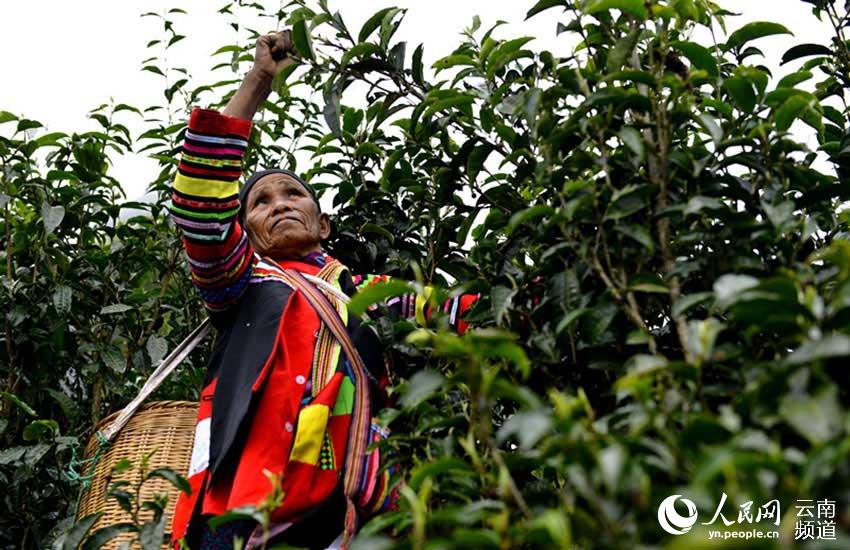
[328,349]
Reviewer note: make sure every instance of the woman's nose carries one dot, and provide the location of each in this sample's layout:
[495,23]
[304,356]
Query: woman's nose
[282,204]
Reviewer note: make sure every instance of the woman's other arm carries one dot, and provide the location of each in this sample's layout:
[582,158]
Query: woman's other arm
[416,308]
[205,201]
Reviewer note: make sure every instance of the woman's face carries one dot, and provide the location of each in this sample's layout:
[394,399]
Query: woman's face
[282,220]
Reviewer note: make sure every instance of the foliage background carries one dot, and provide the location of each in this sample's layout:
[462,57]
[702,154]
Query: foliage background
[663,266]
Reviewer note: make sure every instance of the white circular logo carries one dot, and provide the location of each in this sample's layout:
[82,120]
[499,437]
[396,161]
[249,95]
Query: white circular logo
[671,521]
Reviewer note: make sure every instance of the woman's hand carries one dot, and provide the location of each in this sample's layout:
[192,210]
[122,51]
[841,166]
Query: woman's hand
[273,53]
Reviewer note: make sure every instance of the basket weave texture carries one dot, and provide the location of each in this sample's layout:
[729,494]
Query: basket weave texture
[168,427]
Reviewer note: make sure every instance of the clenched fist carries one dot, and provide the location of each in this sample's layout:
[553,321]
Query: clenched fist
[274,52]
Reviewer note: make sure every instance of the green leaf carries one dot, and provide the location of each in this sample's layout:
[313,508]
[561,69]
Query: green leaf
[502,54]
[458,100]
[753,31]
[598,320]
[686,302]
[699,203]
[475,162]
[236,514]
[178,481]
[640,77]
[710,125]
[359,50]
[420,387]
[100,537]
[389,166]
[700,57]
[646,282]
[639,234]
[638,367]
[633,7]
[632,138]
[156,346]
[12,455]
[71,539]
[302,40]
[621,50]
[728,287]
[279,82]
[501,298]
[115,308]
[793,79]
[805,50]
[378,230]
[331,113]
[416,65]
[41,429]
[834,345]
[373,23]
[18,402]
[528,215]
[543,5]
[700,338]
[556,524]
[68,405]
[52,216]
[453,61]
[388,28]
[815,417]
[529,427]
[62,299]
[742,93]
[377,292]
[793,108]
[114,359]
[433,469]
[227,49]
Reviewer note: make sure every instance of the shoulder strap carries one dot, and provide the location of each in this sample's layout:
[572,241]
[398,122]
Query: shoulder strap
[158,377]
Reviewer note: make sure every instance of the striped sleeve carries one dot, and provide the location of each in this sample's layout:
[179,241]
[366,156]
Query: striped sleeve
[205,204]
[416,308]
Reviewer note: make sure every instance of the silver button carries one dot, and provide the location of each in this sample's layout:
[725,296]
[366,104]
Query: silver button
[247,324]
[300,379]
[288,426]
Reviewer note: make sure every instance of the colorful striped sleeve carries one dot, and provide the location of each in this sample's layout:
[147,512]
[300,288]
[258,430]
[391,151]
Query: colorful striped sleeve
[416,308]
[205,205]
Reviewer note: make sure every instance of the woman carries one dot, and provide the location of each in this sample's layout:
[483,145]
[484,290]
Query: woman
[280,396]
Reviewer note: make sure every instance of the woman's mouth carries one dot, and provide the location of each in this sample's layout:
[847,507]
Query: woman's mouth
[286,218]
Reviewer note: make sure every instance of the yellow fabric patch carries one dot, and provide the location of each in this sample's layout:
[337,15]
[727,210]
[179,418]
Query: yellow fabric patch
[421,300]
[205,188]
[312,423]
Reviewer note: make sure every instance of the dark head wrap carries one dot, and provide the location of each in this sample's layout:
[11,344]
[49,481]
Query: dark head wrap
[249,183]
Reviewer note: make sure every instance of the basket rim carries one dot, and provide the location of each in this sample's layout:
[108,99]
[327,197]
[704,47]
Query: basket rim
[153,405]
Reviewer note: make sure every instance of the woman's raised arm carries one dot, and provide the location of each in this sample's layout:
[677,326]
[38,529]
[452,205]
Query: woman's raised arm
[205,203]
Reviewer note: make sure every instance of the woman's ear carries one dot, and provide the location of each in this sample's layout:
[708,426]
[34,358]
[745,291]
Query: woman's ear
[324,226]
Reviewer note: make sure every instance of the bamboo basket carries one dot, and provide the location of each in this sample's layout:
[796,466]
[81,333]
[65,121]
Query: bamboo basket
[168,427]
